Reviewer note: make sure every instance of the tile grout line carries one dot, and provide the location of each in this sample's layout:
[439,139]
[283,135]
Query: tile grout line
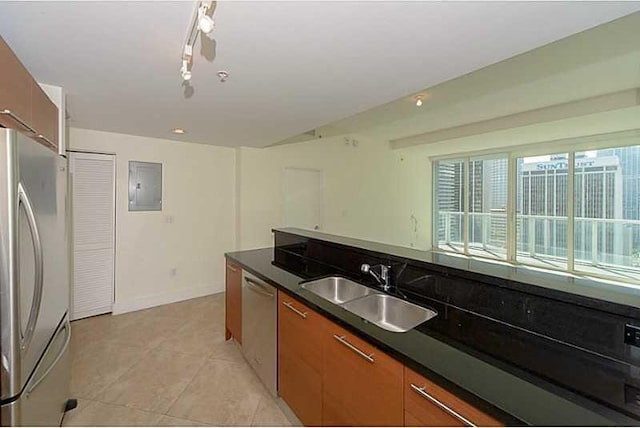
[187,384]
[64,416]
[110,384]
[255,412]
[146,352]
[131,368]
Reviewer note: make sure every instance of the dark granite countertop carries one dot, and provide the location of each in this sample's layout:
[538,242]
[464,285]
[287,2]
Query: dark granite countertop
[618,298]
[507,392]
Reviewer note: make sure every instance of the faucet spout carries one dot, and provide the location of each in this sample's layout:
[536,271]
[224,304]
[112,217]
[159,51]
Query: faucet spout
[383,278]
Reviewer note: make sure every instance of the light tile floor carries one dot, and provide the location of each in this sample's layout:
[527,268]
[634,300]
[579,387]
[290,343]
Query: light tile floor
[165,366]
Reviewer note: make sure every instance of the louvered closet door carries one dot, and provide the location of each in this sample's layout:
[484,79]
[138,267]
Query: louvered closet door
[93,214]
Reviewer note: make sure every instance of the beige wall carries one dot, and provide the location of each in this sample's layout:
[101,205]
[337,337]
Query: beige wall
[373,192]
[198,196]
[370,191]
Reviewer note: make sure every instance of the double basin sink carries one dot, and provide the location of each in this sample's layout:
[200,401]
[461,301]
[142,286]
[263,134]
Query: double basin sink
[387,312]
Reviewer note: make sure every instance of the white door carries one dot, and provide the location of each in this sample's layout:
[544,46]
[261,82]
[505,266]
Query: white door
[303,196]
[93,219]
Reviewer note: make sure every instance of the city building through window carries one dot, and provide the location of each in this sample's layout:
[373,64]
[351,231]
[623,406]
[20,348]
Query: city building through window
[542,210]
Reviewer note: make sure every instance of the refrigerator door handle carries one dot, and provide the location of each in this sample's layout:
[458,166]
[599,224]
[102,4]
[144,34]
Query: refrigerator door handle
[23,199]
[67,329]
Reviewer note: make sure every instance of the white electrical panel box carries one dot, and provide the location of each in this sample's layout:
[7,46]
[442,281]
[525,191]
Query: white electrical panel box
[145,186]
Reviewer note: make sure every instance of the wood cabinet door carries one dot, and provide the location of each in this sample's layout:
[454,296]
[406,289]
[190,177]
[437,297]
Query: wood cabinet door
[44,117]
[362,386]
[15,89]
[427,404]
[300,359]
[233,301]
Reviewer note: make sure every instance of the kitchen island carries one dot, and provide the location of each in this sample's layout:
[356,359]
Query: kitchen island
[487,362]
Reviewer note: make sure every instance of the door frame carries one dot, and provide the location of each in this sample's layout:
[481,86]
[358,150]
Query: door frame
[322,187]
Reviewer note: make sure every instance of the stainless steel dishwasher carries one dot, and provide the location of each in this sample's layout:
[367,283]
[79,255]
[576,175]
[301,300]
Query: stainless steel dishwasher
[259,336]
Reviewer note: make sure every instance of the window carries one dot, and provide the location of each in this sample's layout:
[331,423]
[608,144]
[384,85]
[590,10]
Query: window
[541,213]
[537,210]
[607,212]
[450,204]
[487,182]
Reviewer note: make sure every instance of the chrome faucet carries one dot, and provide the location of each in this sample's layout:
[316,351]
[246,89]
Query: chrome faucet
[384,278]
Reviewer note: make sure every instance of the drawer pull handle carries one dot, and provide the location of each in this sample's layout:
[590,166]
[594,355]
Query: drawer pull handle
[368,357]
[232,269]
[290,306]
[449,410]
[21,122]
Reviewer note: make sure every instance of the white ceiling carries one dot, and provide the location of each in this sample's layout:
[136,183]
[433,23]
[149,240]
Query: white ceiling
[294,65]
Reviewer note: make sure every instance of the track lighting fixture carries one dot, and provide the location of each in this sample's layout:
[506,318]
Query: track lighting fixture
[184,70]
[205,22]
[201,22]
[187,56]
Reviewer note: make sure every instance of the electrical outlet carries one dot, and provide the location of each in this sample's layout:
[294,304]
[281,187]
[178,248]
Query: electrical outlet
[632,335]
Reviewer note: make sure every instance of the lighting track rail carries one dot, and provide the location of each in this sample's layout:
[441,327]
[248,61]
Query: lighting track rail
[200,22]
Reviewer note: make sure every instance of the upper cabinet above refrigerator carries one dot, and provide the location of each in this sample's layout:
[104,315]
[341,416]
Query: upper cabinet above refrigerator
[23,104]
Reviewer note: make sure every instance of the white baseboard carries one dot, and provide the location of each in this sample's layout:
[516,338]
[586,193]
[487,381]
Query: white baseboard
[121,307]
[90,313]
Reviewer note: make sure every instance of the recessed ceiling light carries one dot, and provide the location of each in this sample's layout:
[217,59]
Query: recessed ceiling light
[178,131]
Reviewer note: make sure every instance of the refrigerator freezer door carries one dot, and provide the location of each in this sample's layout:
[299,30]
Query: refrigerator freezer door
[43,401]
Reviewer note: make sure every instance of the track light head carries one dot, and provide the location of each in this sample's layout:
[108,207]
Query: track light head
[201,22]
[205,22]
[184,70]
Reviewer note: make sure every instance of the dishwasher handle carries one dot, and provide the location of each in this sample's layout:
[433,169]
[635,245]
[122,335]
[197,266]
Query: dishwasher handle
[258,288]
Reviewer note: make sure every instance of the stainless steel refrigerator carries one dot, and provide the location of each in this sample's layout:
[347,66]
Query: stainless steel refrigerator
[34,282]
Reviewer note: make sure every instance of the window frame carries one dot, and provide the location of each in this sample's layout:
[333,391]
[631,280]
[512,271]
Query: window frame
[512,153]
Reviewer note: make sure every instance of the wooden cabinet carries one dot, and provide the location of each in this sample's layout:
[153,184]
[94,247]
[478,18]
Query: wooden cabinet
[15,89]
[330,377]
[44,117]
[360,384]
[427,404]
[300,332]
[233,302]
[23,104]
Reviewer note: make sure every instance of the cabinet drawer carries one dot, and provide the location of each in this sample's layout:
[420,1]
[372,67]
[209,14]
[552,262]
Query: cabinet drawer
[300,329]
[427,404]
[300,359]
[362,386]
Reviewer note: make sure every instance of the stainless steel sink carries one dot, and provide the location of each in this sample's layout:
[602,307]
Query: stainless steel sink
[337,289]
[389,312]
